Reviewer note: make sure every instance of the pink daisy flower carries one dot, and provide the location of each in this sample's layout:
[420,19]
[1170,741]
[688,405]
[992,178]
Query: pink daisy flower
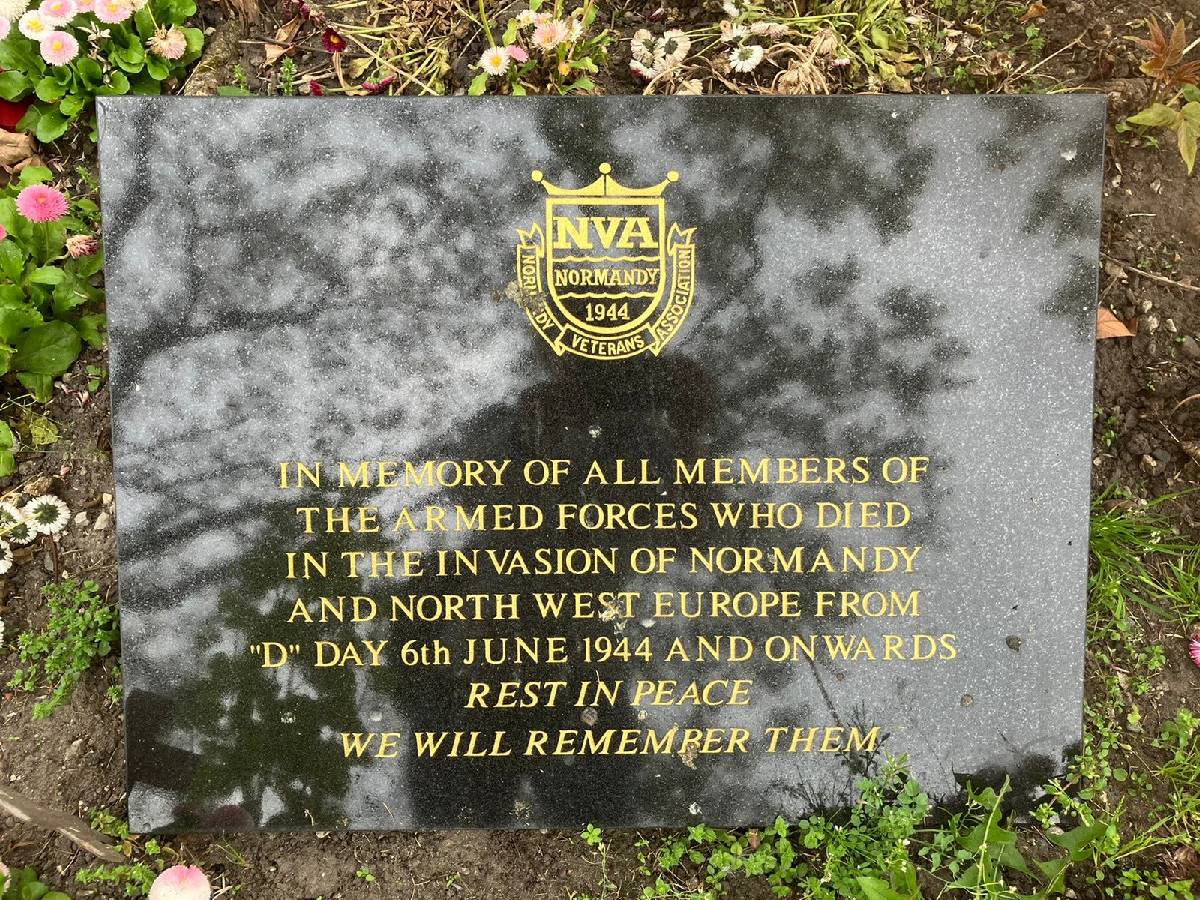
[3,233]
[1194,647]
[59,48]
[33,26]
[517,53]
[113,12]
[57,12]
[41,203]
[169,43]
[181,883]
[85,6]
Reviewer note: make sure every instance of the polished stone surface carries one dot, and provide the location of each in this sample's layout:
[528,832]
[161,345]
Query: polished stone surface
[332,280]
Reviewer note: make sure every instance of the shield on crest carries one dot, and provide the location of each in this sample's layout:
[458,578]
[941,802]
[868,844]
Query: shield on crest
[606,263]
[608,278]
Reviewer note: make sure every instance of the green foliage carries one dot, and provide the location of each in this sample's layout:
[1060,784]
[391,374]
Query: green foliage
[862,853]
[44,294]
[365,874]
[1180,111]
[133,879]
[287,77]
[126,65]
[23,884]
[240,86]
[82,628]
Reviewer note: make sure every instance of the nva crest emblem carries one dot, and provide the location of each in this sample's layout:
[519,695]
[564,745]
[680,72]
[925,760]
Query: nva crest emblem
[607,278]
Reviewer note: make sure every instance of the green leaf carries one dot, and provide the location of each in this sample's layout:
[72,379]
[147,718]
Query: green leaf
[8,463]
[1079,840]
[91,329]
[35,175]
[16,319]
[21,55]
[580,84]
[478,85]
[90,72]
[12,260]
[73,105]
[1155,116]
[47,349]
[50,89]
[510,31]
[518,90]
[13,85]
[195,44]
[47,275]
[51,125]
[118,84]
[877,889]
[157,67]
[1187,133]
[143,19]
[41,386]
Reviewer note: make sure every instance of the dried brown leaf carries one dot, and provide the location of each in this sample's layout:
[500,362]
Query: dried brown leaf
[1109,326]
[1036,10]
[282,42]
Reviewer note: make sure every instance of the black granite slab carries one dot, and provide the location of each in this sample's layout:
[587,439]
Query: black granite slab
[337,281]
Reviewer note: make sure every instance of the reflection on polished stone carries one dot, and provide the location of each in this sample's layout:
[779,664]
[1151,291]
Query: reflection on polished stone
[620,460]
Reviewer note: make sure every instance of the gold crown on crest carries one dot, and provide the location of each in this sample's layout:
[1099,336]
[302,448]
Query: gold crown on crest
[604,186]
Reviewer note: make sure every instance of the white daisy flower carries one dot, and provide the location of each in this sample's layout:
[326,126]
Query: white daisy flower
[494,61]
[745,58]
[675,45]
[6,561]
[777,30]
[575,30]
[731,9]
[526,17]
[642,71]
[47,514]
[13,9]
[33,25]
[760,28]
[14,527]
[642,46]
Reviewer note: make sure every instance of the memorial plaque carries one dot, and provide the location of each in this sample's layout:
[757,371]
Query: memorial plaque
[508,462]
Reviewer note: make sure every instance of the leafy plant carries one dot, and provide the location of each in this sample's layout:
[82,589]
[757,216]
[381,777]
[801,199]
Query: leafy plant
[544,51]
[23,884]
[134,47]
[44,288]
[82,628]
[1180,112]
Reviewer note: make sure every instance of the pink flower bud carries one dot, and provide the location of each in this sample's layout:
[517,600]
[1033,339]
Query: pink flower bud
[517,53]
[181,883]
[1194,647]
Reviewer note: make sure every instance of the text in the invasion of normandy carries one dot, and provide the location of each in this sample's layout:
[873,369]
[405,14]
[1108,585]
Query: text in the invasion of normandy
[791,562]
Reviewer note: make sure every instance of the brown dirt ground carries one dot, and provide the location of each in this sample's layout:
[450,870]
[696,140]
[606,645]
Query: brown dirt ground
[1146,394]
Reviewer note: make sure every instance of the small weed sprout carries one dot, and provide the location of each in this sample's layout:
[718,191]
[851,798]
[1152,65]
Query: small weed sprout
[82,628]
